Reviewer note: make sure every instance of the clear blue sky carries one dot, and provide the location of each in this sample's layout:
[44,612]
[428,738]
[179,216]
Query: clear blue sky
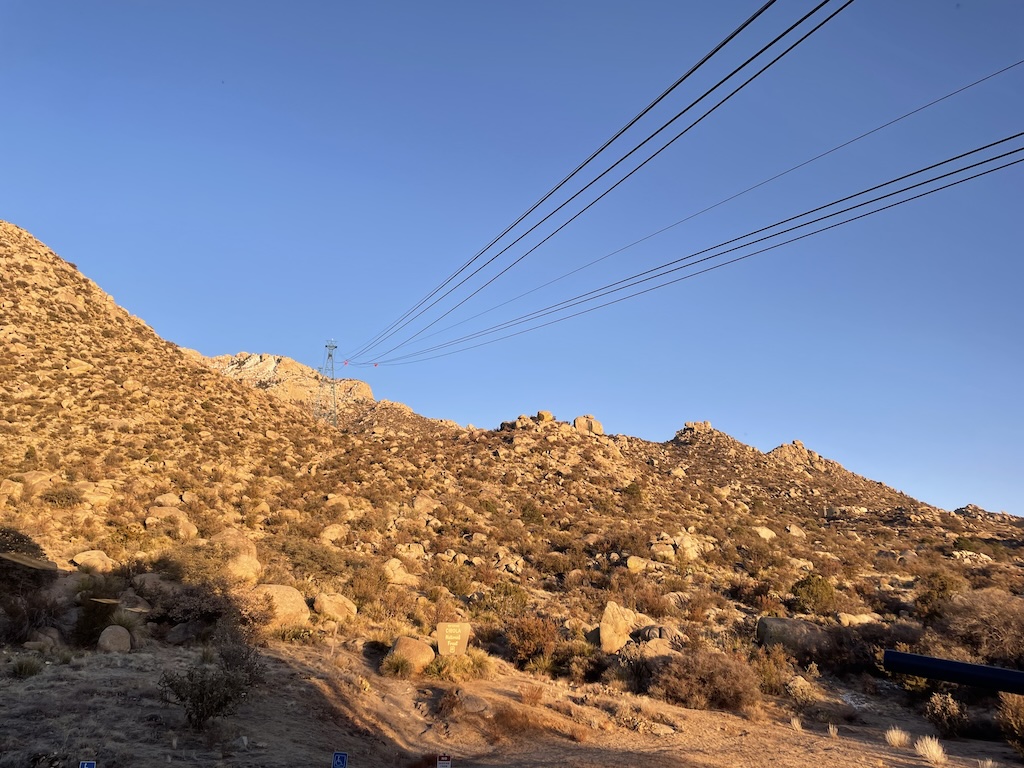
[261,176]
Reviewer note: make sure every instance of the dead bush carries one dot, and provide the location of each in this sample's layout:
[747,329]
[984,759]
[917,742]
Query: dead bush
[707,679]
[1011,719]
[530,637]
[947,714]
[988,622]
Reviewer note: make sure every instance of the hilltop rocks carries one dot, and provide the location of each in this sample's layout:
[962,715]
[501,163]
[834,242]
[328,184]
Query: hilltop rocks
[587,425]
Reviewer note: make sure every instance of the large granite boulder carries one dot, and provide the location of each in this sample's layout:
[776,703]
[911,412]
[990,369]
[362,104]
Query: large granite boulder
[418,652]
[289,605]
[804,640]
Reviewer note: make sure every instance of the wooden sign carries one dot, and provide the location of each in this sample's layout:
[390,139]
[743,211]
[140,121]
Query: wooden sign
[452,638]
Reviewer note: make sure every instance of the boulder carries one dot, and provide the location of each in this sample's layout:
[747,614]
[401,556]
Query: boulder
[333,533]
[414,550]
[616,625]
[417,652]
[765,533]
[587,425]
[665,551]
[94,560]
[395,571]
[174,520]
[167,500]
[795,531]
[186,632]
[545,416]
[114,639]
[242,563]
[804,640]
[289,605]
[856,619]
[334,606]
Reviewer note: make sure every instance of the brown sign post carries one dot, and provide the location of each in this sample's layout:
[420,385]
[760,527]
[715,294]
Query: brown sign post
[452,638]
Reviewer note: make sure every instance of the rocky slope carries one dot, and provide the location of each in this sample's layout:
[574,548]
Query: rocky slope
[123,454]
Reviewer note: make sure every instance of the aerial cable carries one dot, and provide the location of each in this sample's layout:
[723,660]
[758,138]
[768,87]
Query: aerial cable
[603,174]
[575,171]
[707,269]
[627,176]
[727,199]
[664,270]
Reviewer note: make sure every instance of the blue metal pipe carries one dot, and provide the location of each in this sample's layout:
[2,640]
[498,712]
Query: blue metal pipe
[978,675]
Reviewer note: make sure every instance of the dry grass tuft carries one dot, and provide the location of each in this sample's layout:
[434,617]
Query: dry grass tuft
[897,737]
[796,723]
[531,695]
[931,750]
[833,731]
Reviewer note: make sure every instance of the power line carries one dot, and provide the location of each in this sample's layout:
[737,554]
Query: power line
[710,268]
[575,171]
[732,197]
[609,169]
[663,270]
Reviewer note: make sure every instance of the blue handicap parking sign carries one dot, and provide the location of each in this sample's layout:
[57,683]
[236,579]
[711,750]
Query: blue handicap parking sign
[86,764]
[340,760]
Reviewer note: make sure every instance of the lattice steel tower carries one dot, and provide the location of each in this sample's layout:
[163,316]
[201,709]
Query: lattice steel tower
[326,407]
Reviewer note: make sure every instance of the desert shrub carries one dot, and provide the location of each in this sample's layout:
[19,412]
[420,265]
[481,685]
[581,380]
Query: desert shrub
[635,669]
[988,622]
[707,679]
[475,664]
[367,584]
[935,588]
[634,591]
[214,688]
[578,660]
[21,614]
[457,579]
[531,636]
[396,665]
[814,594]
[1010,717]
[204,691]
[774,668]
[506,600]
[63,495]
[947,714]
[26,666]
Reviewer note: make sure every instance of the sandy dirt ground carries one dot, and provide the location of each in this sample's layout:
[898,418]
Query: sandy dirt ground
[319,700]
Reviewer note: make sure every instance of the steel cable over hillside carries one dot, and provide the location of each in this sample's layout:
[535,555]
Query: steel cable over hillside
[728,199]
[690,260]
[572,174]
[636,168]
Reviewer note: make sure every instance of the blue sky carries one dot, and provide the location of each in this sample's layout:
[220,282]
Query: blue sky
[263,176]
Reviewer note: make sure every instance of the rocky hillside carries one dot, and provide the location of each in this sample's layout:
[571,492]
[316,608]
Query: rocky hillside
[597,560]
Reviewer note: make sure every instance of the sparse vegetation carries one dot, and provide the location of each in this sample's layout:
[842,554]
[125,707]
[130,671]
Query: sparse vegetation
[896,737]
[526,532]
[931,750]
